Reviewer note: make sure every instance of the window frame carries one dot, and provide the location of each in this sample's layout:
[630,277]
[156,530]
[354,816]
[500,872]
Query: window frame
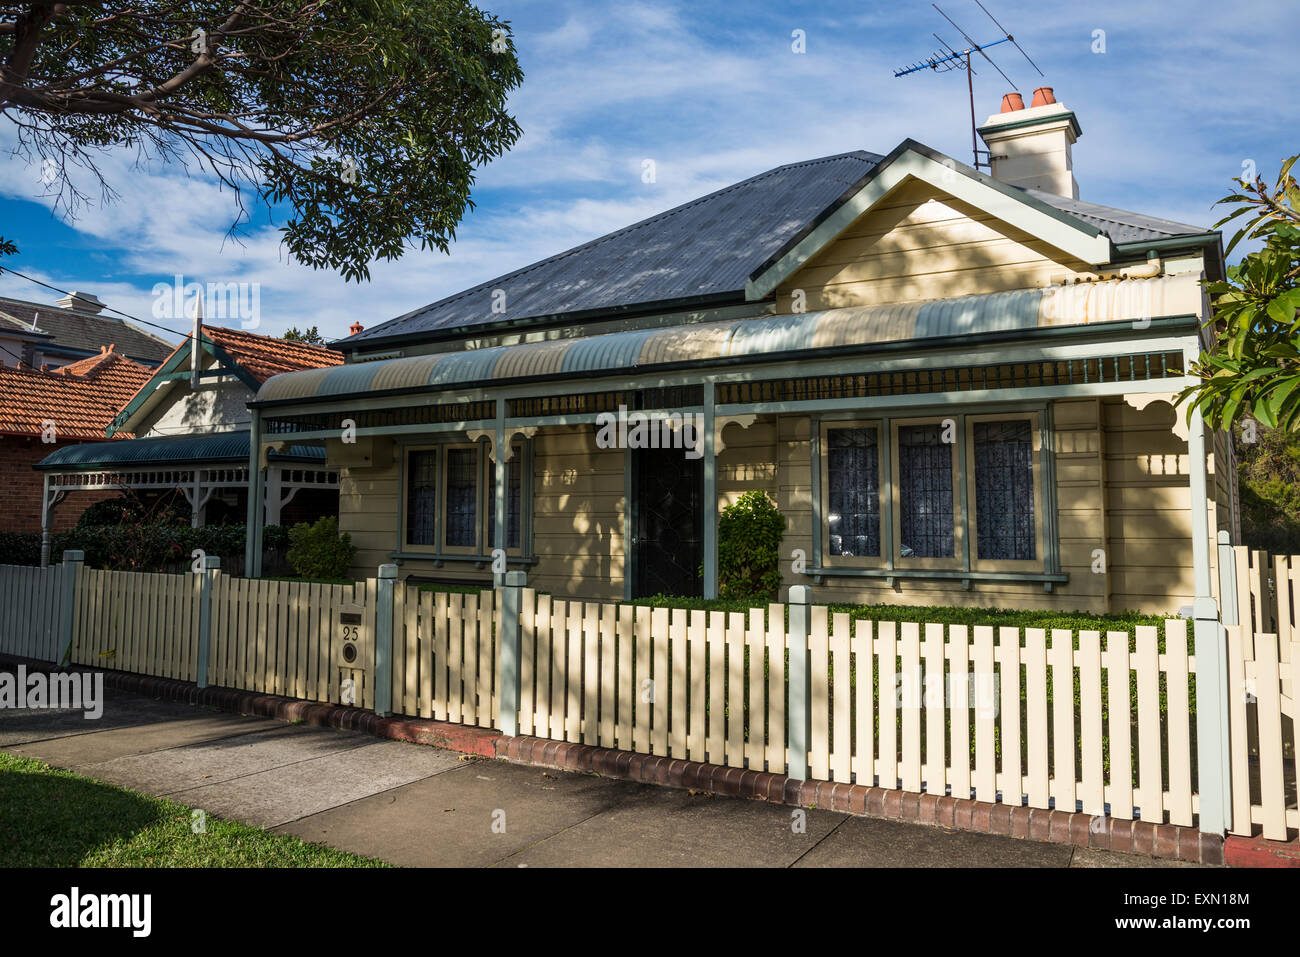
[826,426]
[484,498]
[1040,525]
[957,561]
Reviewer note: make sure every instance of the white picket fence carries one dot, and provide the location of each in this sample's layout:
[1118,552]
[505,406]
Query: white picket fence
[1090,721]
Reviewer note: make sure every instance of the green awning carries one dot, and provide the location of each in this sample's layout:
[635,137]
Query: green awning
[214,448]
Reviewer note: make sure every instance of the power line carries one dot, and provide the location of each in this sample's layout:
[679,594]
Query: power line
[65,292]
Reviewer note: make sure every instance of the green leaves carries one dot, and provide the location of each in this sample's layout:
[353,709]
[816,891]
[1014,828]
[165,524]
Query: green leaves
[749,547]
[1252,366]
[359,125]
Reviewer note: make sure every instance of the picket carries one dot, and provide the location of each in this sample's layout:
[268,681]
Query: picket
[1008,715]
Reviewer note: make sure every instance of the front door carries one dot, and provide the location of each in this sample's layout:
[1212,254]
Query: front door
[667,546]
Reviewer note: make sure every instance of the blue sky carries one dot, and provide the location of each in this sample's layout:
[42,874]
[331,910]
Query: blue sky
[1185,92]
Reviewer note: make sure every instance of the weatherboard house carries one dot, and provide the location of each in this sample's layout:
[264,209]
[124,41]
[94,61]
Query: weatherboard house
[958,388]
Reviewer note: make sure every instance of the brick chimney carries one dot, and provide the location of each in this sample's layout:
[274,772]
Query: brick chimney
[1031,146]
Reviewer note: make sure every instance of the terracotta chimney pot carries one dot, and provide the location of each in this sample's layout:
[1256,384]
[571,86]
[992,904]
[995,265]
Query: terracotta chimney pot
[356,327]
[1013,102]
[1043,96]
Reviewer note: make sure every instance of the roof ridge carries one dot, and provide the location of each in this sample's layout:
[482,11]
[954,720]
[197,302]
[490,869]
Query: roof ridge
[864,155]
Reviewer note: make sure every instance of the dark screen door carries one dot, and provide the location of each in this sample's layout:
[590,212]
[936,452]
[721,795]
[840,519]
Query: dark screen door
[668,489]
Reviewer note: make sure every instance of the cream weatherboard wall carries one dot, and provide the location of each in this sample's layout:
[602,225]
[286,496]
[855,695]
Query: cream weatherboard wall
[920,243]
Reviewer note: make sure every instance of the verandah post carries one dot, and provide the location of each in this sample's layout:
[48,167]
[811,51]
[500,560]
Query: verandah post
[211,564]
[508,651]
[800,683]
[385,596]
[1213,771]
[73,558]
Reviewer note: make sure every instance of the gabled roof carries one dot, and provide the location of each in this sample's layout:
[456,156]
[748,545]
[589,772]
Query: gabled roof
[264,356]
[713,249]
[82,333]
[249,357]
[80,398]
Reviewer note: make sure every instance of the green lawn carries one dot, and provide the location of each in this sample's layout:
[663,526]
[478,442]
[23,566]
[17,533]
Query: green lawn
[53,818]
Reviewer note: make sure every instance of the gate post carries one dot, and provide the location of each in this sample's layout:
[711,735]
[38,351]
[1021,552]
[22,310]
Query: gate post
[211,565]
[508,653]
[384,599]
[800,683]
[72,562]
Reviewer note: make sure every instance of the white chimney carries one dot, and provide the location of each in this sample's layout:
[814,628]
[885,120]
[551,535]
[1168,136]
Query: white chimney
[1031,147]
[81,302]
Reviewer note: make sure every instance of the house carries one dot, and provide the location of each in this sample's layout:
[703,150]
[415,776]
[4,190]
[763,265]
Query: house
[75,328]
[46,412]
[189,421]
[957,387]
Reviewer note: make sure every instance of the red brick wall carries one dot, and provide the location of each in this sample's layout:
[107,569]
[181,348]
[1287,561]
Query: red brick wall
[20,487]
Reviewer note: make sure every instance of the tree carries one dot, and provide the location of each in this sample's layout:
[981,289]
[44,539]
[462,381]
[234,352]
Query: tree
[365,118]
[1253,366]
[310,337]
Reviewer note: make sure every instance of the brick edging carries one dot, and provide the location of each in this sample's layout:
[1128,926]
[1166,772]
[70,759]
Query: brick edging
[442,734]
[1059,827]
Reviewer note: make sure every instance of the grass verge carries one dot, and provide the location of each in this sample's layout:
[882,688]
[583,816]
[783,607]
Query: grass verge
[54,818]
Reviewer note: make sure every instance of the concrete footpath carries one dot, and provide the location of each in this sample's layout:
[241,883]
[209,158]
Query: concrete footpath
[415,805]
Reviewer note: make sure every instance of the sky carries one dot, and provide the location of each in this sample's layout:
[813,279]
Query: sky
[1174,99]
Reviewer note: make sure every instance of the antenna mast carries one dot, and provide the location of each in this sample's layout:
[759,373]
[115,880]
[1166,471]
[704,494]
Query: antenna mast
[948,59]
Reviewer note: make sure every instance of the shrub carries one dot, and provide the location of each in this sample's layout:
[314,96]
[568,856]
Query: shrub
[749,547]
[129,509]
[319,551]
[20,548]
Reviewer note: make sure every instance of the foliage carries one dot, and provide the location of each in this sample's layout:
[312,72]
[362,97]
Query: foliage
[318,551]
[364,120]
[749,547]
[1268,476]
[308,337]
[7,248]
[144,547]
[129,508]
[54,818]
[1253,365]
[20,548]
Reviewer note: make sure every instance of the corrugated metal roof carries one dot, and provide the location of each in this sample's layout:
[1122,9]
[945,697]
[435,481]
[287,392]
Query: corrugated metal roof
[850,327]
[171,450]
[708,246]
[1122,225]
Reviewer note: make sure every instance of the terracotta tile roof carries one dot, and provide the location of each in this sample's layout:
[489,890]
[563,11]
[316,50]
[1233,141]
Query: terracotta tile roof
[264,356]
[80,398]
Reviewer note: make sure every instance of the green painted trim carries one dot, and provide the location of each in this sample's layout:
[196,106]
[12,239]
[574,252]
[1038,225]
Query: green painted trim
[1040,121]
[479,561]
[959,451]
[944,574]
[629,527]
[815,470]
[709,518]
[256,494]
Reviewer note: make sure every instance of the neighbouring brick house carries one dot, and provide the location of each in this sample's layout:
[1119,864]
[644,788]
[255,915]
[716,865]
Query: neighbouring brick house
[71,405]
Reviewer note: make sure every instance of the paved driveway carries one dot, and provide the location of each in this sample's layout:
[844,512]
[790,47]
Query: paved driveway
[415,805]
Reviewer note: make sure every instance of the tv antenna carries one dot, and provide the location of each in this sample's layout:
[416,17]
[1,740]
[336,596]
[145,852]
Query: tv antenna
[949,58]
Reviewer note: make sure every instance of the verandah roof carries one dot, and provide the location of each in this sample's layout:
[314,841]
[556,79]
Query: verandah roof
[178,450]
[927,322]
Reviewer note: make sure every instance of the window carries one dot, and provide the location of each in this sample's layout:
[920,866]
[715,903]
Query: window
[925,520]
[462,497]
[892,493]
[422,498]
[853,487]
[1004,491]
[450,500]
